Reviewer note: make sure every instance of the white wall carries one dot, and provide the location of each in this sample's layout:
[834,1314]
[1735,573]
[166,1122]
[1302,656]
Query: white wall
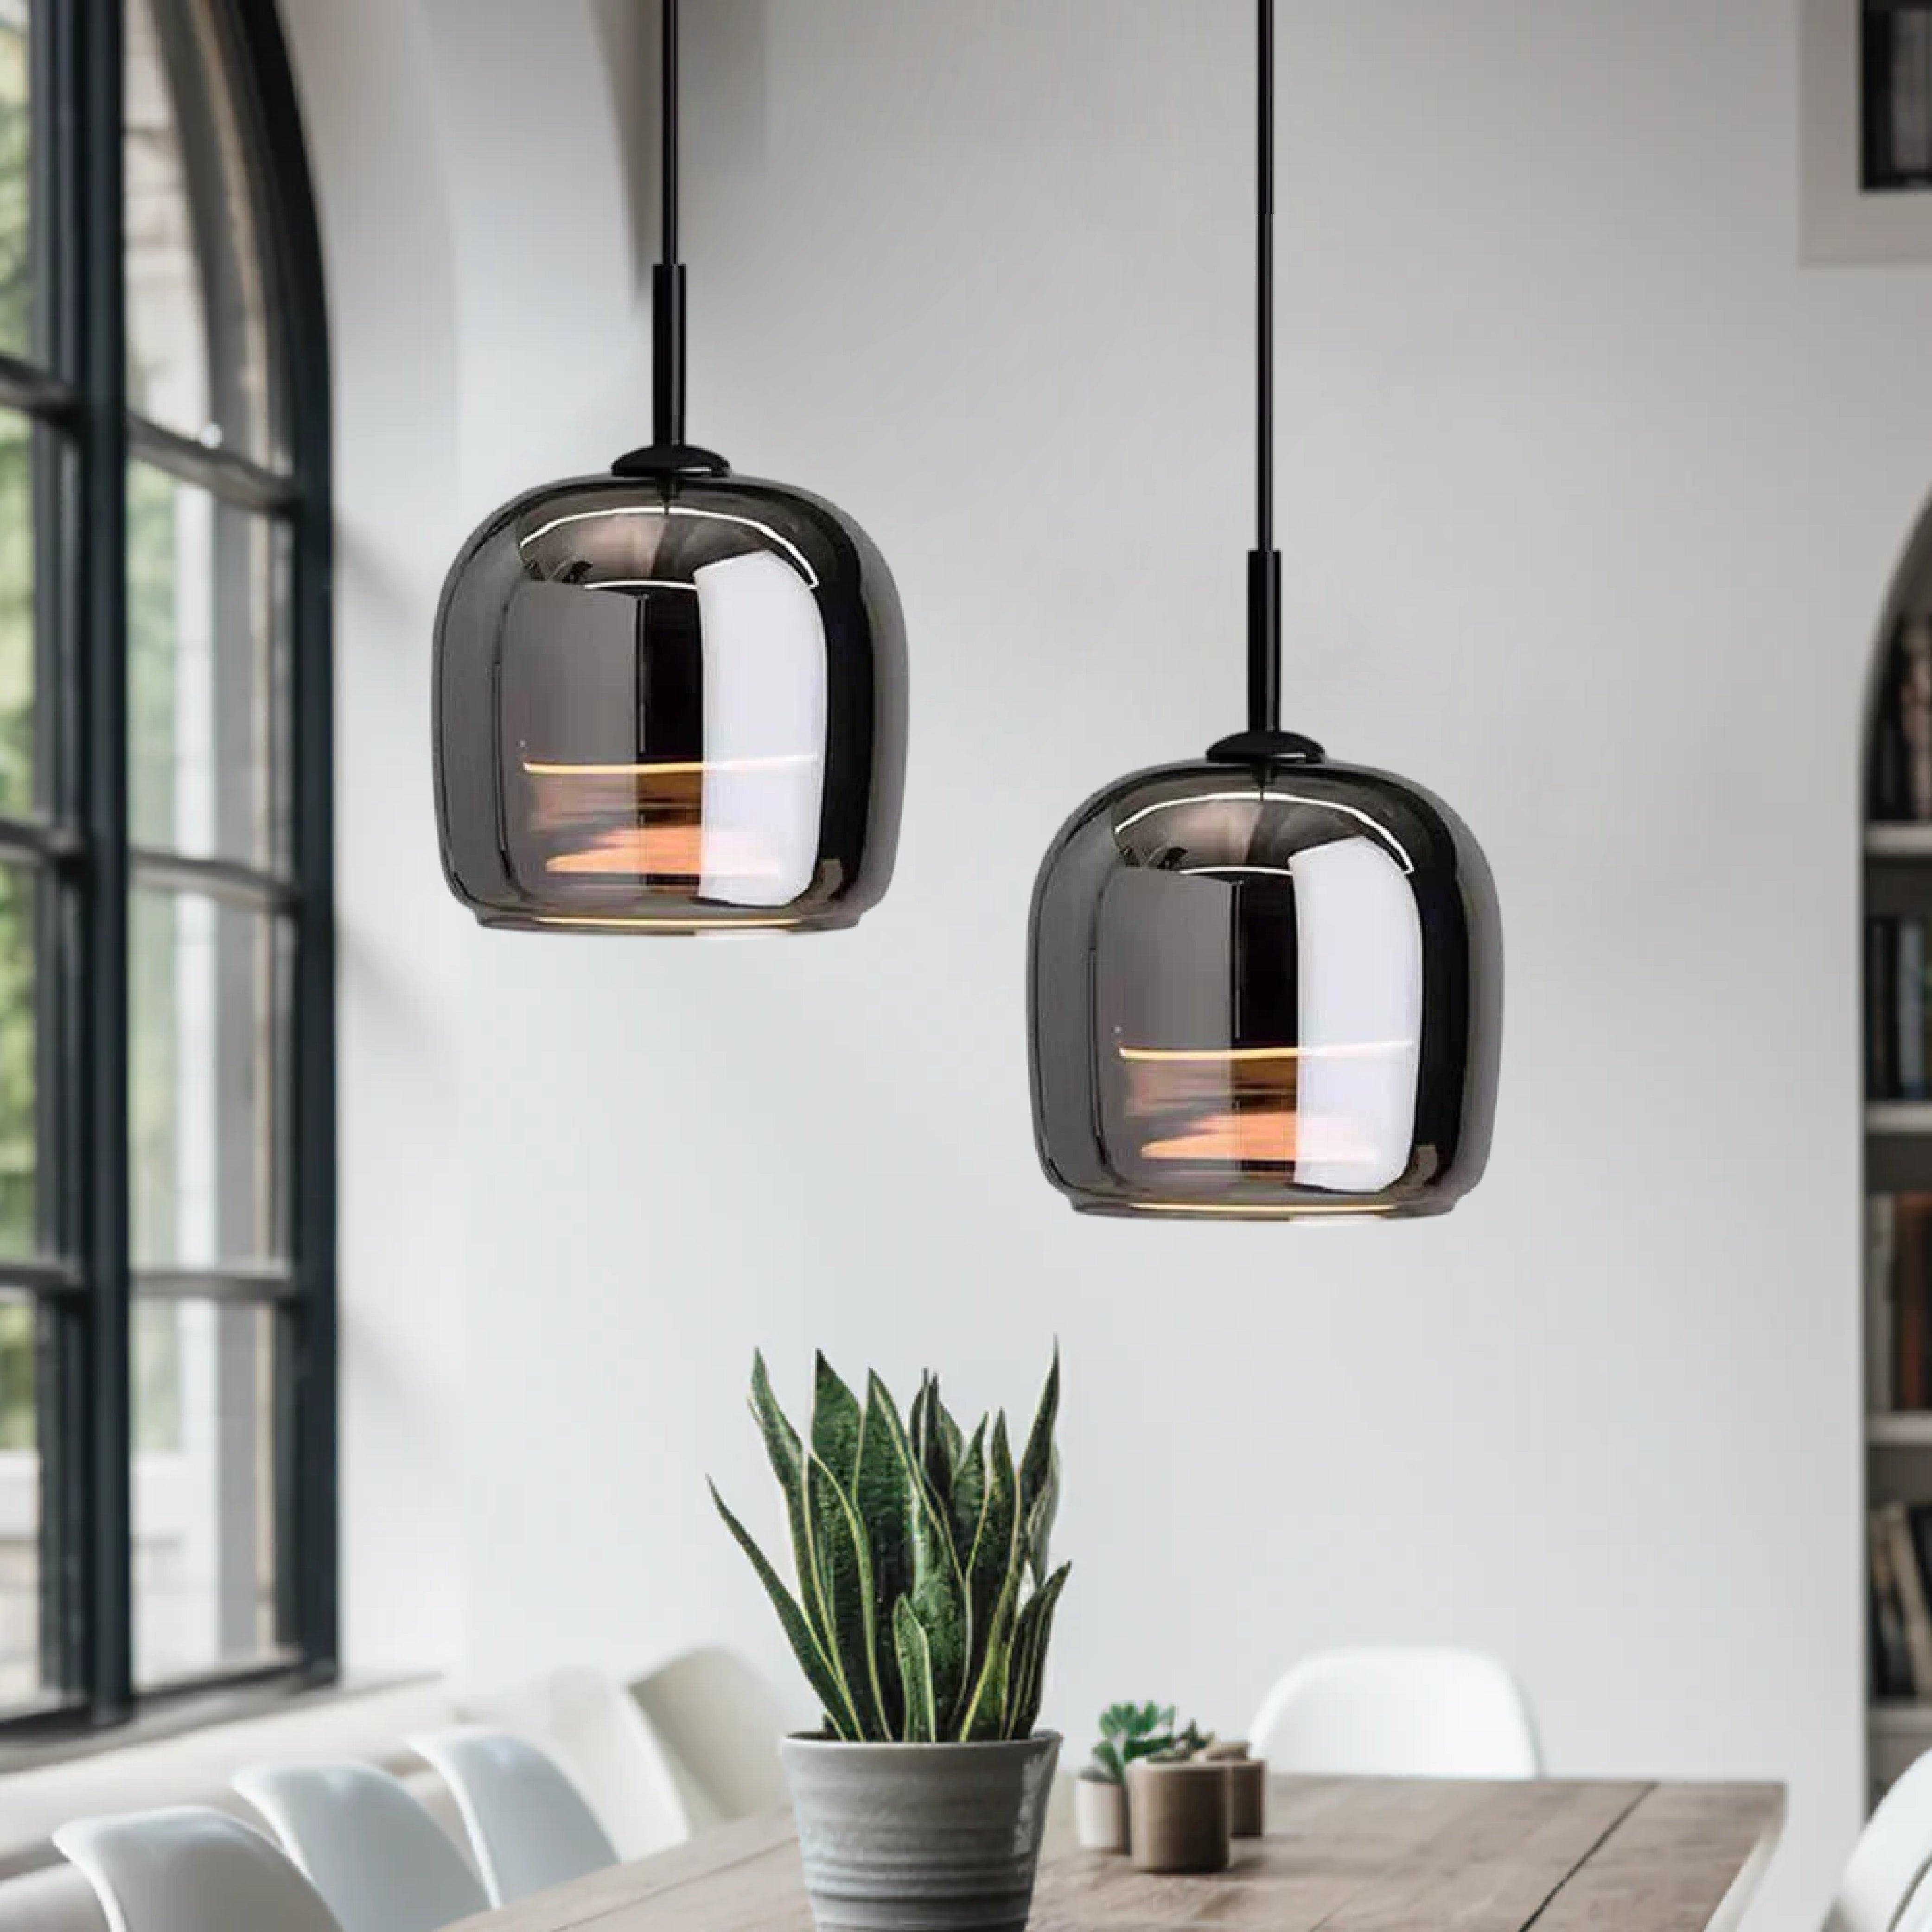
[363,68]
[1590,498]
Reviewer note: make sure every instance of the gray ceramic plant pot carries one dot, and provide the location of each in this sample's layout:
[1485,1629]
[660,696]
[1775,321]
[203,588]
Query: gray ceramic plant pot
[920,1838]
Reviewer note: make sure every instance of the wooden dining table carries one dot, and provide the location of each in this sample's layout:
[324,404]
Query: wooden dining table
[1342,1854]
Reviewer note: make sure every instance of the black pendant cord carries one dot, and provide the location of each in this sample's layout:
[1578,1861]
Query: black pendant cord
[1264,560]
[1264,743]
[669,454]
[667,307]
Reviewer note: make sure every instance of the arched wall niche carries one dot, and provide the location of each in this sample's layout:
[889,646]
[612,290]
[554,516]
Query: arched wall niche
[1896,1071]
[1909,591]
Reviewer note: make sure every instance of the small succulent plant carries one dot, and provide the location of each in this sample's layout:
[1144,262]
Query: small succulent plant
[1130,1731]
[924,1603]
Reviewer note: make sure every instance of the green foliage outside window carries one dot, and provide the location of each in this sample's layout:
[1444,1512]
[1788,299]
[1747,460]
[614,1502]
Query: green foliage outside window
[18,1230]
[17,1376]
[151,627]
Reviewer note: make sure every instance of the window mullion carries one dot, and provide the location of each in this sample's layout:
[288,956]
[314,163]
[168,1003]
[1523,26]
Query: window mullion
[99,969]
[63,1330]
[306,1407]
[24,386]
[224,475]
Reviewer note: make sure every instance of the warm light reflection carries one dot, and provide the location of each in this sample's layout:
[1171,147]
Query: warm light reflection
[644,823]
[670,925]
[682,852]
[1238,1107]
[1256,1139]
[777,761]
[1306,1210]
[1226,1055]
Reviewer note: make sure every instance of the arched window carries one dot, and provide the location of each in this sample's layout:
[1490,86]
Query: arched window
[166,1017]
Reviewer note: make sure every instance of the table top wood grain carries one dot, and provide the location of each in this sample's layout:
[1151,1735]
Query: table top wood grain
[1341,1855]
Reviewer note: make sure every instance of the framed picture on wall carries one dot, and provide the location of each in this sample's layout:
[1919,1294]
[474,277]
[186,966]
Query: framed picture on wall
[1895,98]
[1865,131]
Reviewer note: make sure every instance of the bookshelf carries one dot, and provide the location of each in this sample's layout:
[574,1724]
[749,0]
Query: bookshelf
[1911,1430]
[1896,1296]
[1911,1722]
[1906,842]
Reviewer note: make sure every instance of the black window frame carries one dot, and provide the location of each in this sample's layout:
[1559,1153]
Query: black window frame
[83,856]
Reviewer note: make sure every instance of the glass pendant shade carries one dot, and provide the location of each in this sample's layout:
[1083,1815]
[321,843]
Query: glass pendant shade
[1264,991]
[671,703]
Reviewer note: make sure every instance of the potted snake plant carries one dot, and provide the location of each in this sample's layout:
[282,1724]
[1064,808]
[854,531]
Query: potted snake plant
[921,1610]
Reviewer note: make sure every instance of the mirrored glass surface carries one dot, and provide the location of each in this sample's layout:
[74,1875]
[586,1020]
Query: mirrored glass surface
[675,706]
[1264,992]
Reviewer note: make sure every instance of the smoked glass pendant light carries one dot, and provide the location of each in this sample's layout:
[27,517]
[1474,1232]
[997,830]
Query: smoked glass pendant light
[669,700]
[1265,986]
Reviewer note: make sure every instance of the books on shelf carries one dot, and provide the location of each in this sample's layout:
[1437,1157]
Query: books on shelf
[1898,1009]
[1898,1303]
[1901,1539]
[1901,760]
[1881,1296]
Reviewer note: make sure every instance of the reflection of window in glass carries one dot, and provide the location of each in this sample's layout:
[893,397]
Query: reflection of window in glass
[1258,989]
[682,754]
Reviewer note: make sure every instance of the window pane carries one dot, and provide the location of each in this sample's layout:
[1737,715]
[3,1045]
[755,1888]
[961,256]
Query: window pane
[197,332]
[20,1671]
[204,1381]
[207,1001]
[17,333]
[203,699]
[18,440]
[19,1046]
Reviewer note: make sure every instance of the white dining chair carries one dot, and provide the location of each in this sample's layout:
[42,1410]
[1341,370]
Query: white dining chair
[529,1827]
[379,1859]
[1892,1859]
[189,1869]
[599,1734]
[720,1722]
[1398,1713]
[1915,1914]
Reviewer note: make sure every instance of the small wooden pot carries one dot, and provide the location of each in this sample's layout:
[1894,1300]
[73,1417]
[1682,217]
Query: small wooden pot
[1100,1815]
[1178,1816]
[1247,1789]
